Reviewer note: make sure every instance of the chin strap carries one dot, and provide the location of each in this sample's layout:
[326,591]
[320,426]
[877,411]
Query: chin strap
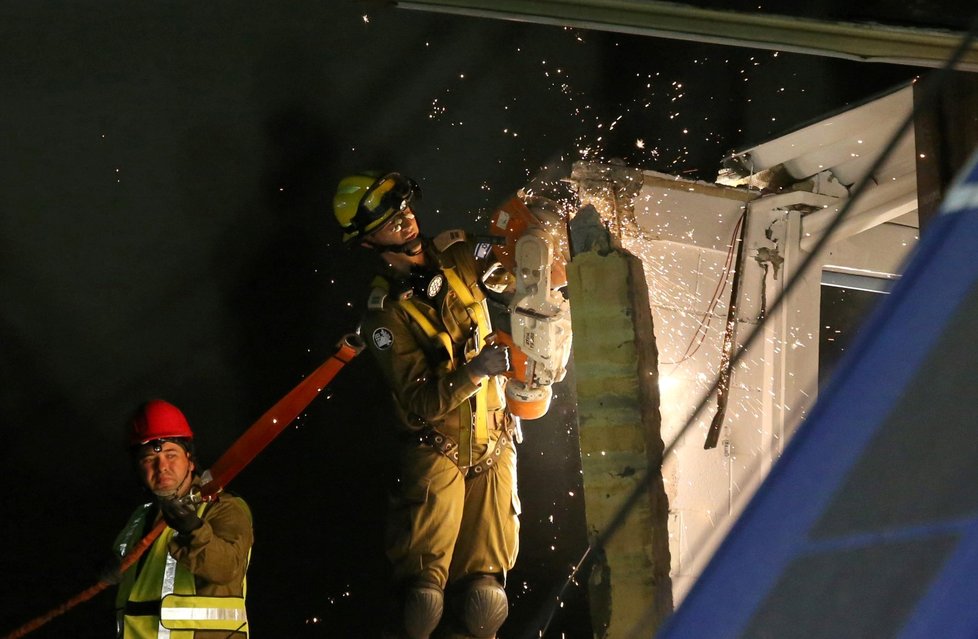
[175,493]
[412,248]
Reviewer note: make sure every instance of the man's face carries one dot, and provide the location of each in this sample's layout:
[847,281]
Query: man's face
[400,229]
[166,468]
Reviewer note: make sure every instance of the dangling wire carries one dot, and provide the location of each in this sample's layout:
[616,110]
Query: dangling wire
[703,326]
[928,93]
[729,335]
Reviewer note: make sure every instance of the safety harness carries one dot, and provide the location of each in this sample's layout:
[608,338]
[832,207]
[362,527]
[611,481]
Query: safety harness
[474,411]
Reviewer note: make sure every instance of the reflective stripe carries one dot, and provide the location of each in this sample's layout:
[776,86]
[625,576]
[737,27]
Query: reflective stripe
[169,578]
[138,520]
[196,614]
[204,613]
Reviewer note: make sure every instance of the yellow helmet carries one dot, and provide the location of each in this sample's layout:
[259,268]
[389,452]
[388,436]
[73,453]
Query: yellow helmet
[364,201]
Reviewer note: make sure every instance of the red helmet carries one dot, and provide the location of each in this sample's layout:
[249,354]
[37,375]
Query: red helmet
[157,419]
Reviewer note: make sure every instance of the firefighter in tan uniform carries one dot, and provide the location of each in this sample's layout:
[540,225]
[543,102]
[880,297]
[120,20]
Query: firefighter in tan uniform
[190,583]
[453,525]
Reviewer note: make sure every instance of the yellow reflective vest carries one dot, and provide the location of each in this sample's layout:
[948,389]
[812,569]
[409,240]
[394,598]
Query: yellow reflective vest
[158,598]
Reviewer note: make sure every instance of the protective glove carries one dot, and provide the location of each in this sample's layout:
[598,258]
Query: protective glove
[491,360]
[180,516]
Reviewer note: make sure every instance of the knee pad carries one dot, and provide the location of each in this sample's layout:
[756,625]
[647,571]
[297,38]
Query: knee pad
[423,606]
[483,606]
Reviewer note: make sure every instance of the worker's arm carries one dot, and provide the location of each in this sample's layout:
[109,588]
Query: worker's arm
[218,550]
[427,389]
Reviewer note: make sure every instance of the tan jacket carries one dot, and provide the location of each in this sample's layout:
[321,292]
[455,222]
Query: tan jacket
[218,552]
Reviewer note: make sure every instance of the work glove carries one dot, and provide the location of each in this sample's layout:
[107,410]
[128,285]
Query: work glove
[180,516]
[491,360]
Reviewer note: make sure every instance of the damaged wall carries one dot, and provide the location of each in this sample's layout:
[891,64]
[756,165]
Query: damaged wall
[618,407]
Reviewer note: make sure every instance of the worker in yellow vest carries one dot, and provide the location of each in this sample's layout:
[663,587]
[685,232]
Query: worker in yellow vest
[190,584]
[453,522]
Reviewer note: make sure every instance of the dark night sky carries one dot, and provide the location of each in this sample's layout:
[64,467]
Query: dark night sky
[165,231]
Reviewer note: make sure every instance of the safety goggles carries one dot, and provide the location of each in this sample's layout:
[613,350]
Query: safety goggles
[397,222]
[386,198]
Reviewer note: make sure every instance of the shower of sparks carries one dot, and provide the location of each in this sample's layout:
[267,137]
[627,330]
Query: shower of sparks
[657,128]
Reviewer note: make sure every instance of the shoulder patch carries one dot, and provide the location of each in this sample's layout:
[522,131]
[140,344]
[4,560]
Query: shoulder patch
[445,239]
[383,338]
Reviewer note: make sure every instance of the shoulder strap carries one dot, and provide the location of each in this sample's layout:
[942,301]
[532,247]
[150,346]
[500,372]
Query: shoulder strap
[475,305]
[440,338]
[378,296]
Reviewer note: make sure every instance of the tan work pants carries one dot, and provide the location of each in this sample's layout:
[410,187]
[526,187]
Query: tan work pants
[443,527]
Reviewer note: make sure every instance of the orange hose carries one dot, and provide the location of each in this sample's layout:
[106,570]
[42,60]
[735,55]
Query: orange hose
[278,417]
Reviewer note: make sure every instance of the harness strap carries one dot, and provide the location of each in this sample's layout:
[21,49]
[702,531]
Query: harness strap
[469,417]
[378,296]
[472,298]
[474,303]
[441,337]
[449,448]
[473,413]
